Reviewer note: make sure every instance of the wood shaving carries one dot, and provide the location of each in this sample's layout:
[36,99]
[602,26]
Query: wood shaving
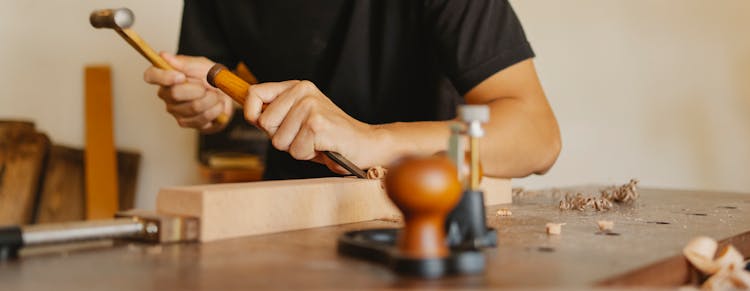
[624,194]
[727,279]
[580,202]
[504,212]
[375,173]
[605,225]
[393,219]
[554,228]
[729,257]
[700,252]
[727,270]
[740,279]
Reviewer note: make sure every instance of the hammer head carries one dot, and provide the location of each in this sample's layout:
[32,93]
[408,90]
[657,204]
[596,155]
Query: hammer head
[120,18]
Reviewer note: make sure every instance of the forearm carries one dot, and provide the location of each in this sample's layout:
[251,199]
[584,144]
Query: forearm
[520,139]
[402,139]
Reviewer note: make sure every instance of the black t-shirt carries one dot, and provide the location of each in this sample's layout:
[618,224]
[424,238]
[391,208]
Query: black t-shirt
[380,61]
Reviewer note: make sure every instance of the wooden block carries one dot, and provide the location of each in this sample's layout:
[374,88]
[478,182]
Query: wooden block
[234,210]
[496,191]
[23,152]
[100,157]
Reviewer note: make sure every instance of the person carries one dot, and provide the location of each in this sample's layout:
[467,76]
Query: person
[372,80]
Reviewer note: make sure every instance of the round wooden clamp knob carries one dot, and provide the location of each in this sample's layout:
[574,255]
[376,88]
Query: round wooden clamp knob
[425,190]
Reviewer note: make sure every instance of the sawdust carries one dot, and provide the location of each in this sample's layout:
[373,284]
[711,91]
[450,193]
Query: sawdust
[607,197]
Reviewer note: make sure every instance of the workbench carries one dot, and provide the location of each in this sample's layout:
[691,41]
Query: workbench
[644,248]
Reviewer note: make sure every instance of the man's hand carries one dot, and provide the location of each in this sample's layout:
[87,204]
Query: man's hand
[188,97]
[302,121]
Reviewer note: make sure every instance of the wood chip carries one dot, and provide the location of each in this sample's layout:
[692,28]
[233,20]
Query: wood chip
[554,228]
[504,212]
[605,225]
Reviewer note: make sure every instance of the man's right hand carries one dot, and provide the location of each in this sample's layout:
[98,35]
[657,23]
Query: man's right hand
[188,97]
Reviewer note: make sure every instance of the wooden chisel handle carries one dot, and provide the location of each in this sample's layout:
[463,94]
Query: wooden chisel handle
[234,86]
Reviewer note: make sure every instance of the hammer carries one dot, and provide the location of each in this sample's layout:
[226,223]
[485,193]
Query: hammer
[120,20]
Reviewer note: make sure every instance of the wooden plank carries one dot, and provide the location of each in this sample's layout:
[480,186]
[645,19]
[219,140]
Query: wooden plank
[22,155]
[62,197]
[99,156]
[234,210]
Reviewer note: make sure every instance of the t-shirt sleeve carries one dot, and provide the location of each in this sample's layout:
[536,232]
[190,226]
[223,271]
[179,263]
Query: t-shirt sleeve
[201,33]
[475,39]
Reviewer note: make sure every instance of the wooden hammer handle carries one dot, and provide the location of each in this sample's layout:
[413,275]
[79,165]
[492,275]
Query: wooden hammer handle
[146,51]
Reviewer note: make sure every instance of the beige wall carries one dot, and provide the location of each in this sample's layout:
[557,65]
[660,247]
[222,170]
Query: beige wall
[658,90]
[44,46]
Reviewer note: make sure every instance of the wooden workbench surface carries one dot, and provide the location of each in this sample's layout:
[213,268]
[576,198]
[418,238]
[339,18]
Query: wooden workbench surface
[652,230]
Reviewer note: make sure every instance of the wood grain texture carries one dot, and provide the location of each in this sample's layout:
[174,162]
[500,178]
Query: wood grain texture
[128,166]
[235,210]
[143,48]
[62,198]
[99,156]
[229,83]
[23,152]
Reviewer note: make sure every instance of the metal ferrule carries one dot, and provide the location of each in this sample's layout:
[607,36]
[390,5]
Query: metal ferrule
[475,129]
[77,231]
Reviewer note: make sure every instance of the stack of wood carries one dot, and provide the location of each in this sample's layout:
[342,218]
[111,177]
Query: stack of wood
[42,182]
